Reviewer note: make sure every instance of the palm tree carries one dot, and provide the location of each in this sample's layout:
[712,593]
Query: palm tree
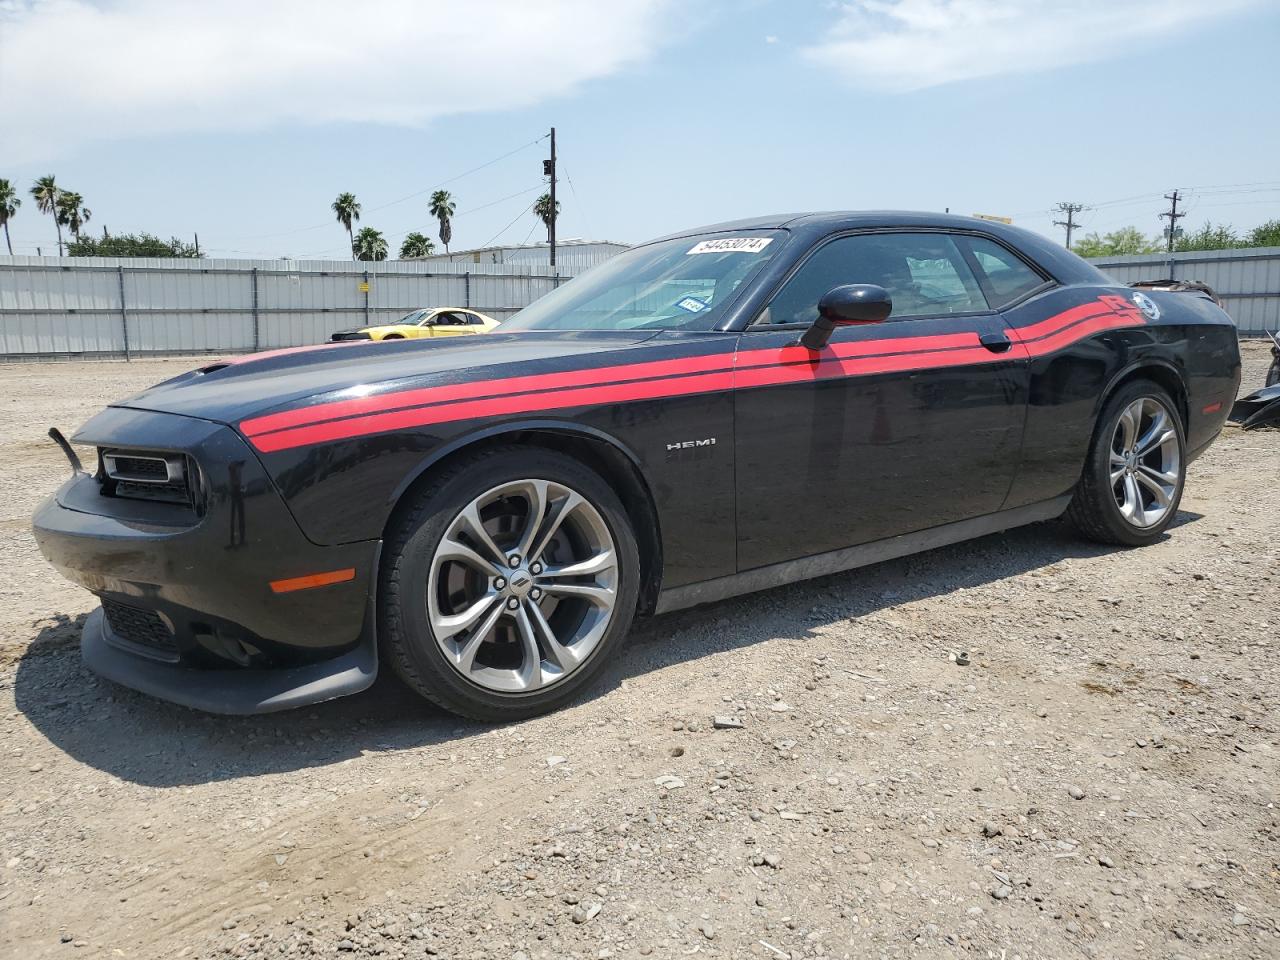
[542,207]
[416,245]
[348,210]
[369,244]
[442,207]
[45,192]
[9,204]
[72,212]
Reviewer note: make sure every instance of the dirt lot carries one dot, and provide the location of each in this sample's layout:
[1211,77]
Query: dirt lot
[1101,780]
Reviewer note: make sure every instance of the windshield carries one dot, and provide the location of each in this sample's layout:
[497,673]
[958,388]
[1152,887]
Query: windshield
[674,284]
[411,319]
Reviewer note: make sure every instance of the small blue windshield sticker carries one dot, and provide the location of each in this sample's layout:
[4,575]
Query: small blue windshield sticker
[692,304]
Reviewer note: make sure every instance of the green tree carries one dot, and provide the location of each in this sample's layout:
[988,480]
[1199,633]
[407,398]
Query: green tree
[347,210]
[542,207]
[416,245]
[1209,237]
[370,244]
[130,245]
[72,213]
[1126,240]
[9,204]
[442,208]
[1264,235]
[45,193]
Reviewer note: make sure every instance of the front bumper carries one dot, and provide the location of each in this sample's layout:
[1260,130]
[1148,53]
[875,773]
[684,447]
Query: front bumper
[189,613]
[230,691]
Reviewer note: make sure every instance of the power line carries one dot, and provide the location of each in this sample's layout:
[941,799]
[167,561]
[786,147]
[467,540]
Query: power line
[494,203]
[468,173]
[484,206]
[489,242]
[437,186]
[578,203]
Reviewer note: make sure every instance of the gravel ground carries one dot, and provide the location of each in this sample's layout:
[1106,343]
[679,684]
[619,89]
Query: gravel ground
[1101,779]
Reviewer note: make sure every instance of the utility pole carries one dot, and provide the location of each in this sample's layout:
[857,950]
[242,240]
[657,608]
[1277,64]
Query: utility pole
[549,170]
[197,236]
[1070,209]
[1174,216]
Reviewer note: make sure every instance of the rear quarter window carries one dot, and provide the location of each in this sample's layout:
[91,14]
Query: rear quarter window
[1006,276]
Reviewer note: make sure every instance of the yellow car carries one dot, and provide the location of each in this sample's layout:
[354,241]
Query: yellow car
[427,322]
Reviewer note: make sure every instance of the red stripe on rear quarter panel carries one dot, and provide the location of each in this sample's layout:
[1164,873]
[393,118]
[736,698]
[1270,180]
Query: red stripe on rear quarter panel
[1098,324]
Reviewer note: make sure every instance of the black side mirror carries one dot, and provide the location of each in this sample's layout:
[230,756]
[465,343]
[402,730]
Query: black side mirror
[852,303]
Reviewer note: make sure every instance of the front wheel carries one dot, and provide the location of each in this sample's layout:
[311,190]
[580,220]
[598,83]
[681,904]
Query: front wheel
[1134,474]
[508,584]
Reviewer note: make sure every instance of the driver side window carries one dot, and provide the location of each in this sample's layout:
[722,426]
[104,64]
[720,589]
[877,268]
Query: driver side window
[924,273]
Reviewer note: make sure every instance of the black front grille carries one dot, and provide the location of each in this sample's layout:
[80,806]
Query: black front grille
[141,627]
[170,492]
[141,468]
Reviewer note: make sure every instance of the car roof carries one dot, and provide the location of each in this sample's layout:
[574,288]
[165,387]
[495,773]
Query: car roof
[1061,263]
[845,220]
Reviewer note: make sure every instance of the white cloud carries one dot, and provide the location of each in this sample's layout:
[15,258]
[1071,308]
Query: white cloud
[72,72]
[904,45]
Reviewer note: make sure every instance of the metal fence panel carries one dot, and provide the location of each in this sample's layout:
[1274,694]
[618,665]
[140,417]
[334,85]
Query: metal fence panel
[104,306]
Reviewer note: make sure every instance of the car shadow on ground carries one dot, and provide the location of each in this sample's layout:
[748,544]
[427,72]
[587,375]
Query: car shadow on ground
[153,743]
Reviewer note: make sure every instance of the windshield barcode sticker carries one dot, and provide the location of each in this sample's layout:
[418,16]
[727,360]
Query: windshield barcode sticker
[692,304]
[732,245]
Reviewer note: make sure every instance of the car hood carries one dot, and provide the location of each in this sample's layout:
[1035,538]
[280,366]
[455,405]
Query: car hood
[228,391]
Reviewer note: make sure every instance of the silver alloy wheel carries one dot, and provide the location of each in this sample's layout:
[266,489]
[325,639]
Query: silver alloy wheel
[1146,462]
[522,586]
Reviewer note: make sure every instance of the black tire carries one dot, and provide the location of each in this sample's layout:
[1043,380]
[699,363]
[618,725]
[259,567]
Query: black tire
[406,639]
[1094,510]
[393,336]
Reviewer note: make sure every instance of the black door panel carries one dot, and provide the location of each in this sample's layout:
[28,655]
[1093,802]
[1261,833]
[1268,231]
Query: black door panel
[918,424]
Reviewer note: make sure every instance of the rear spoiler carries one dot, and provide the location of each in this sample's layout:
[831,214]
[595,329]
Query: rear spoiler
[1178,286]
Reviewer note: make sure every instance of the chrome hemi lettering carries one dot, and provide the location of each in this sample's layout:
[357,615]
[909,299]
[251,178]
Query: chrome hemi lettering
[690,444]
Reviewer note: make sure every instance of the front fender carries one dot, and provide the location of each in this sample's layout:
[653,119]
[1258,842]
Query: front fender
[513,429]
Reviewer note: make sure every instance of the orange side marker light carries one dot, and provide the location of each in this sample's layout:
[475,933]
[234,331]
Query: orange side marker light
[313,580]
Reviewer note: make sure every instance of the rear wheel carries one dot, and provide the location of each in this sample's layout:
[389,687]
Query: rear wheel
[508,584]
[1134,475]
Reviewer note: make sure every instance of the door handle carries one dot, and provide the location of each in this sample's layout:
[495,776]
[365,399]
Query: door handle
[996,342]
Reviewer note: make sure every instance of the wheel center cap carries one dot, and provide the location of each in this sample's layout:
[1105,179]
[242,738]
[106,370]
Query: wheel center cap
[521,583]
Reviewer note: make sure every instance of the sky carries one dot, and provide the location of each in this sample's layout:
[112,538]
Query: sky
[242,121]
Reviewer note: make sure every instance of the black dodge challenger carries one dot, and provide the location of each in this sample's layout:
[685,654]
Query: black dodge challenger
[716,412]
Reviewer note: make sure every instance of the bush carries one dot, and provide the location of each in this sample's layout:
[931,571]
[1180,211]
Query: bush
[130,245]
